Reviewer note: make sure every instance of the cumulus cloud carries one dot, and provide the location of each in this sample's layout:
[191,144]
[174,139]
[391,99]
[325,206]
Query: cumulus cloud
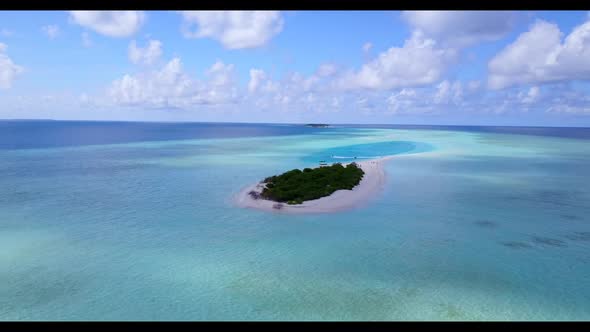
[431,99]
[171,87]
[316,92]
[564,99]
[447,92]
[531,96]
[327,69]
[257,76]
[461,28]
[295,91]
[367,47]
[147,55]
[570,109]
[52,31]
[402,101]
[539,56]
[8,69]
[233,29]
[418,62]
[110,23]
[403,80]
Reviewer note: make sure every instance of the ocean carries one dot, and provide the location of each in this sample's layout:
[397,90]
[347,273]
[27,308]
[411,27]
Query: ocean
[135,221]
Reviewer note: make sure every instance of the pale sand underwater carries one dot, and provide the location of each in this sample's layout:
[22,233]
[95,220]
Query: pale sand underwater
[371,184]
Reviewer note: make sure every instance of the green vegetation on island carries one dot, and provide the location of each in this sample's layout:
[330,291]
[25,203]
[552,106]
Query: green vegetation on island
[297,186]
[317,125]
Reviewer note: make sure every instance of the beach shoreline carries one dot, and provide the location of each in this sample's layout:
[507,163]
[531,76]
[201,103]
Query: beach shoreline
[371,184]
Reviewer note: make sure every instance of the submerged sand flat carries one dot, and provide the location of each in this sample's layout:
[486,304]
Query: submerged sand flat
[371,184]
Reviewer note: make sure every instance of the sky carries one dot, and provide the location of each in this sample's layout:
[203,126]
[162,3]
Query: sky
[524,68]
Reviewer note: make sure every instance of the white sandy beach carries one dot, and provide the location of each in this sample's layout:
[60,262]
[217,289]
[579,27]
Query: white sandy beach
[371,184]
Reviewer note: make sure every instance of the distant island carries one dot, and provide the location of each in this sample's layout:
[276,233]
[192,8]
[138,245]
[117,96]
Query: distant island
[317,125]
[297,186]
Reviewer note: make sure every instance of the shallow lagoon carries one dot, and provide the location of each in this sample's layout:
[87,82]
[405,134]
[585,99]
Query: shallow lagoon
[479,225]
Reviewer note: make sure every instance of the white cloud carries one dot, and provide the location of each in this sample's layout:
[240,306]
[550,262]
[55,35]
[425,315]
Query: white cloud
[367,47]
[295,91]
[443,92]
[419,62]
[434,99]
[448,92]
[220,76]
[569,109]
[531,96]
[402,101]
[147,55]
[563,98]
[52,31]
[539,56]
[88,101]
[152,89]
[461,28]
[365,105]
[171,87]
[256,77]
[261,87]
[8,69]
[298,82]
[326,70]
[86,41]
[316,93]
[233,29]
[110,23]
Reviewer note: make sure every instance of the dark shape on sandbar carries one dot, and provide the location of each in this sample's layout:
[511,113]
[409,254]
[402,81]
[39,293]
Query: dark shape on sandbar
[254,194]
[549,241]
[579,236]
[516,245]
[486,223]
[277,206]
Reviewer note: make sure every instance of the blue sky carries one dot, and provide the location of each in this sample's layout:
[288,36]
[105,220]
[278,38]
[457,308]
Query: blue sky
[495,68]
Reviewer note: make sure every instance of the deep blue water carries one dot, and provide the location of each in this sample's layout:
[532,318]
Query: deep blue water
[45,134]
[135,221]
[22,134]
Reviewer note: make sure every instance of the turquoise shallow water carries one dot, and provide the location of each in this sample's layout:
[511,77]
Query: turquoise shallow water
[347,153]
[470,226]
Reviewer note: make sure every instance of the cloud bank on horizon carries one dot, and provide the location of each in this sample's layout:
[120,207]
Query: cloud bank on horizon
[448,67]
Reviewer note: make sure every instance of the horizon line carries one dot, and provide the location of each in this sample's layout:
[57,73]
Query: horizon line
[295,123]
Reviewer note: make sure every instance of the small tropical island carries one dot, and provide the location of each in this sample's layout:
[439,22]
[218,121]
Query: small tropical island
[317,125]
[297,186]
[324,189]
